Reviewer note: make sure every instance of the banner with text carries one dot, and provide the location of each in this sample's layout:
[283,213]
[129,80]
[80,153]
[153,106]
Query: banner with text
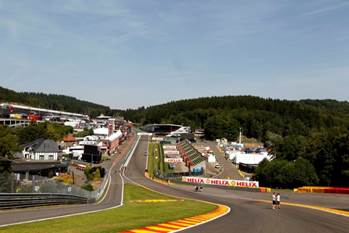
[221,182]
[169,147]
[173,160]
[171,152]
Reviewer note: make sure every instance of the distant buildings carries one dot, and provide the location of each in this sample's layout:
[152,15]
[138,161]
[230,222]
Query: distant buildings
[108,134]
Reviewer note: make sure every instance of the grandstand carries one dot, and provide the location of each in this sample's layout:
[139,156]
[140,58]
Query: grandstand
[193,159]
[165,129]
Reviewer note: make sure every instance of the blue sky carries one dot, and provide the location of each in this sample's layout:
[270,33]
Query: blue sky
[142,52]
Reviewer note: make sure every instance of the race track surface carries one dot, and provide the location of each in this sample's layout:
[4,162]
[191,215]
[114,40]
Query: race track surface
[248,212]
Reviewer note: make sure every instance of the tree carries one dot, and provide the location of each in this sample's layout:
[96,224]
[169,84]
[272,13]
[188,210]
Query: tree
[286,174]
[5,175]
[8,142]
[305,173]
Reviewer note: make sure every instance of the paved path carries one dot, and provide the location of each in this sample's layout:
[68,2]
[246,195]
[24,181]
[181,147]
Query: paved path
[229,170]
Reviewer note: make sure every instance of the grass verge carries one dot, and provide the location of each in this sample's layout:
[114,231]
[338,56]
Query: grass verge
[133,214]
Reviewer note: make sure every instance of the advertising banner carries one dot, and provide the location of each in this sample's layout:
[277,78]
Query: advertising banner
[173,160]
[172,156]
[221,182]
[157,139]
[169,147]
[171,152]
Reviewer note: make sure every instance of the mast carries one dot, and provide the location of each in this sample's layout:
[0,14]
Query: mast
[240,136]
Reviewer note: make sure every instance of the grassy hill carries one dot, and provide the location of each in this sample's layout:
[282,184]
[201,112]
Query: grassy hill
[52,101]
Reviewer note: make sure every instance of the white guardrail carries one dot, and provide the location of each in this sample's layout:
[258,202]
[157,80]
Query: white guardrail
[102,188]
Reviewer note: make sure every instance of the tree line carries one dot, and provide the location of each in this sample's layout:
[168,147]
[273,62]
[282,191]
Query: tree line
[309,138]
[54,102]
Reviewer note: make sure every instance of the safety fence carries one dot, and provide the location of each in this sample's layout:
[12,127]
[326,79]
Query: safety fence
[46,191]
[320,189]
[21,200]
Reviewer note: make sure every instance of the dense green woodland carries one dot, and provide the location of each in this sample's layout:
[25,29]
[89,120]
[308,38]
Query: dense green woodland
[55,102]
[309,138]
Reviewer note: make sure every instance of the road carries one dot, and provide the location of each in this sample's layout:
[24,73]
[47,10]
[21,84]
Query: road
[229,170]
[248,211]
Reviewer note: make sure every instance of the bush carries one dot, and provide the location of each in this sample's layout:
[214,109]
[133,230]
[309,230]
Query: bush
[87,187]
[93,173]
[97,174]
[65,178]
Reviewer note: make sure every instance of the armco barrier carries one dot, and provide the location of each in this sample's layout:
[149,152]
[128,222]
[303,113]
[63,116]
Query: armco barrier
[242,185]
[20,200]
[264,190]
[320,189]
[166,182]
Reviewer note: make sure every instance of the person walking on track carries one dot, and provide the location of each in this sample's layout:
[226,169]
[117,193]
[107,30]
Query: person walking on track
[273,201]
[278,200]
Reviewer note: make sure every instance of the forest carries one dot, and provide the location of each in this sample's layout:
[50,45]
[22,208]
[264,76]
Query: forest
[314,132]
[54,102]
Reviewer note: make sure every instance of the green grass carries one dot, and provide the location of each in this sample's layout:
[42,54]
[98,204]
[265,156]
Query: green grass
[150,159]
[156,160]
[131,215]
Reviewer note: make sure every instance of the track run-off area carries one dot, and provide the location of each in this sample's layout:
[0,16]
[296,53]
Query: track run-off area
[249,211]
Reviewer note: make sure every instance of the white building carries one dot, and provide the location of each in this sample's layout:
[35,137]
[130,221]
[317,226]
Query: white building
[41,149]
[101,132]
[211,158]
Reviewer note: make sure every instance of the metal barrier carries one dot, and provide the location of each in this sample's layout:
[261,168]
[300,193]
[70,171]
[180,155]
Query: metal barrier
[21,200]
[322,189]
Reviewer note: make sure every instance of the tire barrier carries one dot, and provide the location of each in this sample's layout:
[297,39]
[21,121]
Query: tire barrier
[319,189]
[21,200]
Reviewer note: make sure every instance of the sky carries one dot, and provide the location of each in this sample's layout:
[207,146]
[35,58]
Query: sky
[132,53]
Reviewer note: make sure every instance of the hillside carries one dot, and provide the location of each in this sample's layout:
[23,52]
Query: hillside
[309,138]
[223,116]
[52,101]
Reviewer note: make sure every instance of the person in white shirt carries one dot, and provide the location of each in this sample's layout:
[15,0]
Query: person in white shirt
[273,201]
[278,200]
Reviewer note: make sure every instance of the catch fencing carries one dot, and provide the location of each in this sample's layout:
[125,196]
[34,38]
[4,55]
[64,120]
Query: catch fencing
[45,191]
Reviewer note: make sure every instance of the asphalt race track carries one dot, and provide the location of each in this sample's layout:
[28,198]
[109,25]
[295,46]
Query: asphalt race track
[248,213]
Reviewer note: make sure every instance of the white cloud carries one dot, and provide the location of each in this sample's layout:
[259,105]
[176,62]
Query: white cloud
[327,8]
